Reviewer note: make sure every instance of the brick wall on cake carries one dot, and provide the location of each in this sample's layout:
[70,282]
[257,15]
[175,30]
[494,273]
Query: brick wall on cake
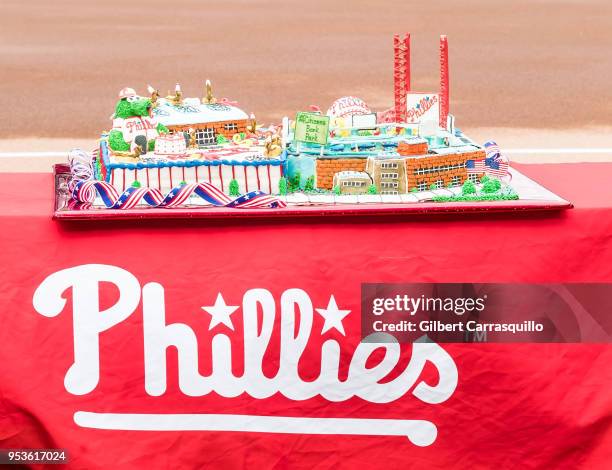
[219,127]
[328,167]
[412,164]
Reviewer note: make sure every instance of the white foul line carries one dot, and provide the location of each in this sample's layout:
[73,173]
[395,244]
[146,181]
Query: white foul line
[33,154]
[519,151]
[558,151]
[419,432]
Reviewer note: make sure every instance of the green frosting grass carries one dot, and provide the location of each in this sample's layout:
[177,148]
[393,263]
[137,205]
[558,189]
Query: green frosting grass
[476,198]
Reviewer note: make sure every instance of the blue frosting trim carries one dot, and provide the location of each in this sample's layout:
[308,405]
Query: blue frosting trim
[183,163]
[105,158]
[285,161]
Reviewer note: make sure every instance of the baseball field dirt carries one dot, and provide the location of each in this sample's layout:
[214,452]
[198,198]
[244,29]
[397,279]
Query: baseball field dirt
[537,70]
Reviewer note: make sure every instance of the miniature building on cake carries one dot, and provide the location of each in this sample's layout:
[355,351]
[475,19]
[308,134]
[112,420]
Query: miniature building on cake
[208,120]
[352,182]
[326,168]
[388,174]
[439,170]
[413,146]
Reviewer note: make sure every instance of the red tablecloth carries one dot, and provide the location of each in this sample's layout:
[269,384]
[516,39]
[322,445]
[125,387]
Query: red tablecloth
[545,405]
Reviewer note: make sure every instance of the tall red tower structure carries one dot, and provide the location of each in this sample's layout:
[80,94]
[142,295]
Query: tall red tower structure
[444,81]
[401,74]
[401,77]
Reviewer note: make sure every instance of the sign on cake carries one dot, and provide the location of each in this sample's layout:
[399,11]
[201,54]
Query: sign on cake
[311,128]
[364,121]
[422,107]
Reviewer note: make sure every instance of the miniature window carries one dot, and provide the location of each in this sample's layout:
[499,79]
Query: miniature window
[455,181]
[389,192]
[391,176]
[473,177]
[206,136]
[439,184]
[389,184]
[230,126]
[389,166]
[422,186]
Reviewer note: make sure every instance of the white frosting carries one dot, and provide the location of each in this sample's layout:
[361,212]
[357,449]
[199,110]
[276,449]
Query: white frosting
[169,177]
[135,126]
[194,112]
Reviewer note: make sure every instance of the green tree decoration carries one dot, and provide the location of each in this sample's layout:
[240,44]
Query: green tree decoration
[309,186]
[282,186]
[372,189]
[468,188]
[491,186]
[234,189]
[294,182]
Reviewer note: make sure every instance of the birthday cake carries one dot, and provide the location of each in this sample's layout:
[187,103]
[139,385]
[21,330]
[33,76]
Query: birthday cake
[176,151]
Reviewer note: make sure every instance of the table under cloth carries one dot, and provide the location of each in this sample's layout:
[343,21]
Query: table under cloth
[544,405]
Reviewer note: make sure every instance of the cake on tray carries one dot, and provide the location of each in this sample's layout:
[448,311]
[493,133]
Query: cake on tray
[178,151]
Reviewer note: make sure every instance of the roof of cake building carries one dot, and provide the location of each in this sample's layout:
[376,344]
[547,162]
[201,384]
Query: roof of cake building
[191,111]
[352,174]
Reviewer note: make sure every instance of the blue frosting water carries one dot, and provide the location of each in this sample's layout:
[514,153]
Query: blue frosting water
[302,164]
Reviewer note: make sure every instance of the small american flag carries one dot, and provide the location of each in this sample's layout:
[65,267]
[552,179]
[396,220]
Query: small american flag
[496,163]
[475,167]
[491,148]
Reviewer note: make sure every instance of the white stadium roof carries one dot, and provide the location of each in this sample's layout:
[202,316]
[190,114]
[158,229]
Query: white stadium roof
[191,111]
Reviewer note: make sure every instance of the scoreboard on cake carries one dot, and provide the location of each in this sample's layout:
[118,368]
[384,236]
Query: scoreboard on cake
[422,107]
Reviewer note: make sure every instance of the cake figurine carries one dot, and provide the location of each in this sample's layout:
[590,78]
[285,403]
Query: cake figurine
[154,95]
[209,98]
[177,98]
[134,127]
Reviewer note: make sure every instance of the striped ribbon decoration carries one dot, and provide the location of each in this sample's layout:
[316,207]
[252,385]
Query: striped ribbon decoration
[81,166]
[85,192]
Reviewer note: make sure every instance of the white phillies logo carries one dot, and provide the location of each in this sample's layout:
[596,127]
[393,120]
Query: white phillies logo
[89,321]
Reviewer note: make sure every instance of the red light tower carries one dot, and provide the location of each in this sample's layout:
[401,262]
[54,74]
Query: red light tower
[401,77]
[444,82]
